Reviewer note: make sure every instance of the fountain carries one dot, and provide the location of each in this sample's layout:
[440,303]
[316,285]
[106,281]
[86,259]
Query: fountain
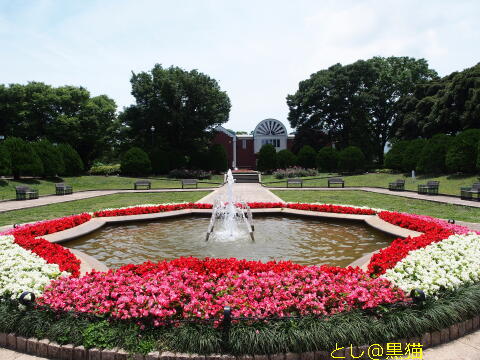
[228,216]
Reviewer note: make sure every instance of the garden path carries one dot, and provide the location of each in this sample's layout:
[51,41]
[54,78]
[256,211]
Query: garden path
[13,355]
[249,192]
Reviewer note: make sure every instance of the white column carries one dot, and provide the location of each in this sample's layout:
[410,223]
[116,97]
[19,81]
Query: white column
[234,142]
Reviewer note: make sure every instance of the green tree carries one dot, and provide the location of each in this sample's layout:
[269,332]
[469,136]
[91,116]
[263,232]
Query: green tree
[307,157]
[5,161]
[478,157]
[394,157]
[432,157]
[267,158]
[72,161]
[218,158]
[351,101]
[351,159]
[412,154]
[52,159]
[23,158]
[135,162]
[448,105]
[286,159]
[174,107]
[327,159]
[462,152]
[160,162]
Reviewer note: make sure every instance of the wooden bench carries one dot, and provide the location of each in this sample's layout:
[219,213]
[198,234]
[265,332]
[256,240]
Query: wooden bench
[63,189]
[336,181]
[26,193]
[142,183]
[397,185]
[294,182]
[186,182]
[470,193]
[430,188]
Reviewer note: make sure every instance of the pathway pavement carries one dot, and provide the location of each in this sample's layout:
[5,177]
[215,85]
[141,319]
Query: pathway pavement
[413,195]
[13,355]
[248,192]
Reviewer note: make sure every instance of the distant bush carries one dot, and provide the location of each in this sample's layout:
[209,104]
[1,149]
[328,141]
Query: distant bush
[394,157]
[351,159]
[200,160]
[51,158]
[286,159]
[135,162]
[5,161]
[462,152]
[478,157]
[106,170]
[160,160]
[307,157]
[189,174]
[177,160]
[71,159]
[23,158]
[294,172]
[218,158]
[267,158]
[327,159]
[412,153]
[432,156]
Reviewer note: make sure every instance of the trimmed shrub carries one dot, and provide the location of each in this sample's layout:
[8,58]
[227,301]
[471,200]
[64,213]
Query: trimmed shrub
[267,158]
[177,160]
[394,157]
[294,172]
[135,162]
[52,159]
[351,159]
[286,159]
[462,152]
[71,159]
[160,162]
[106,170]
[200,160]
[327,159]
[5,161]
[218,158]
[412,154]
[23,158]
[307,157]
[189,174]
[432,157]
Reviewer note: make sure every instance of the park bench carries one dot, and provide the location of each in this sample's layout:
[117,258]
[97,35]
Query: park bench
[470,193]
[26,193]
[397,185]
[186,182]
[63,189]
[294,182]
[336,181]
[142,183]
[430,188]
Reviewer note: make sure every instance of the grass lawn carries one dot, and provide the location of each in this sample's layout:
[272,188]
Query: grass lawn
[45,187]
[96,203]
[449,184]
[387,202]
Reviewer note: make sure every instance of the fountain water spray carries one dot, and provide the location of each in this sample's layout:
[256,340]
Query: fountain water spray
[230,214]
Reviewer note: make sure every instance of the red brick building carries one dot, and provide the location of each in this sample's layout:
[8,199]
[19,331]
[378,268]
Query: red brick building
[242,149]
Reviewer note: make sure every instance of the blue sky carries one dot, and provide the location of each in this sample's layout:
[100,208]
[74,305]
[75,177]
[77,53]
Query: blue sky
[257,50]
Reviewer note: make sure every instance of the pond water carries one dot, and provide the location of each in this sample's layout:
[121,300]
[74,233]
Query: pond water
[302,240]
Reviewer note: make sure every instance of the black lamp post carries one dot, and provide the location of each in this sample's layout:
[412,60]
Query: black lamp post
[152,129]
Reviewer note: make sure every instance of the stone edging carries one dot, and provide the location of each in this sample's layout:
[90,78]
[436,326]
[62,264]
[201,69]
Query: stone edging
[52,350]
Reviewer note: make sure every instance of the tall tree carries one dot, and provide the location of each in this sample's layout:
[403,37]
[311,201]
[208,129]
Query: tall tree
[175,108]
[357,104]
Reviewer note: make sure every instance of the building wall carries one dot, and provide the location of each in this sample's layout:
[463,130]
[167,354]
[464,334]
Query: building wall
[246,158]
[226,141]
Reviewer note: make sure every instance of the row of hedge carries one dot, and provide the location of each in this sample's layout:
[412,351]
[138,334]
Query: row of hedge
[41,158]
[437,155]
[326,159]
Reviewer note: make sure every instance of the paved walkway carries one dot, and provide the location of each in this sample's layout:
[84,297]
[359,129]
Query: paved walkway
[12,355]
[248,192]
[413,195]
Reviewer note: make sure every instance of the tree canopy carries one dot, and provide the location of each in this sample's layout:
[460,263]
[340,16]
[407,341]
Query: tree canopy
[357,104]
[175,108]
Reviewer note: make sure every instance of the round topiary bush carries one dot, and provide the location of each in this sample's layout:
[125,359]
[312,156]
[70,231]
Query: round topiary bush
[462,152]
[267,158]
[412,154]
[5,162]
[432,156]
[394,157]
[51,158]
[23,158]
[135,162]
[286,159]
[71,159]
[307,157]
[327,159]
[351,159]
